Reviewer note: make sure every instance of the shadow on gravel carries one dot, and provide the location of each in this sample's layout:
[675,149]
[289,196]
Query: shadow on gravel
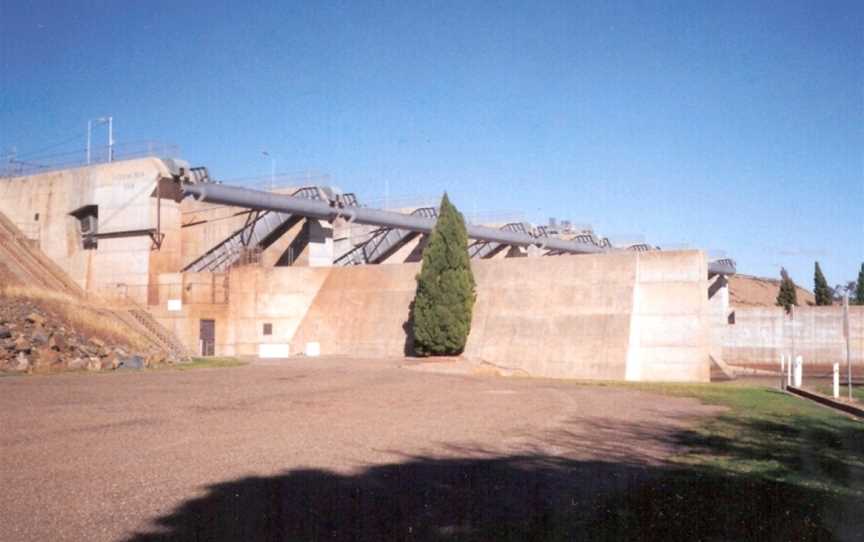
[512,498]
[754,476]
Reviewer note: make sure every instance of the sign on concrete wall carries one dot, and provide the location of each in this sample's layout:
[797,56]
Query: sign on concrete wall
[273,350]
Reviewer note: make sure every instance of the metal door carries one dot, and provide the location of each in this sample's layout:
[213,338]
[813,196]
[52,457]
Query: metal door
[208,337]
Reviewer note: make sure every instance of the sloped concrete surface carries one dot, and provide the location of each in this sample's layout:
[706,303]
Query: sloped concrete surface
[611,316]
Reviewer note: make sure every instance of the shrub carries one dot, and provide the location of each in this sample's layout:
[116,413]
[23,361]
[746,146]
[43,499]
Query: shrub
[787,296]
[821,290]
[444,300]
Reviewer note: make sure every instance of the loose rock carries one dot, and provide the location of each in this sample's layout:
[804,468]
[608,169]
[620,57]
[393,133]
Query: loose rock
[35,318]
[22,363]
[131,362]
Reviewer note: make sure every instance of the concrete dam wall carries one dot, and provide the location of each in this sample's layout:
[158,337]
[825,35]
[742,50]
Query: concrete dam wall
[759,335]
[639,316]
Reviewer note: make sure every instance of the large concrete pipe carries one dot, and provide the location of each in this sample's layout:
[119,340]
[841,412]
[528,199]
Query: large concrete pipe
[256,199]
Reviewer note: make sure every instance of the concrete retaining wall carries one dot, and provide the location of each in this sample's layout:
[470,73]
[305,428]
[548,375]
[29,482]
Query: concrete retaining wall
[616,316]
[760,334]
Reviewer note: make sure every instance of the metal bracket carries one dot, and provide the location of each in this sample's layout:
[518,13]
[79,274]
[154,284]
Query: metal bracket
[157,238]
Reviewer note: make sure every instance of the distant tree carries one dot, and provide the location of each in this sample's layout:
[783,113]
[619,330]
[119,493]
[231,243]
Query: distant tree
[859,289]
[787,297]
[821,290]
[443,304]
[842,289]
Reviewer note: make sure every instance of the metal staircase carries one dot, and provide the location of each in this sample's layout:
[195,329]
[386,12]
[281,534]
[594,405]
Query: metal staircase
[199,175]
[260,230]
[384,242]
[486,249]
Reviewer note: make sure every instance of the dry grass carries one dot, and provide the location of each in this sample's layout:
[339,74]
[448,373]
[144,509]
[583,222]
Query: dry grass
[87,317]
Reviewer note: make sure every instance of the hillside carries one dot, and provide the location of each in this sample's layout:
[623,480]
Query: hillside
[47,324]
[750,291]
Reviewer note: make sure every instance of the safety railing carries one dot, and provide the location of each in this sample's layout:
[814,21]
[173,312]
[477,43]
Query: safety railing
[15,165]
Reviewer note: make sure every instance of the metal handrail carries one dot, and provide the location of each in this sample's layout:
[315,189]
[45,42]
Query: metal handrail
[12,166]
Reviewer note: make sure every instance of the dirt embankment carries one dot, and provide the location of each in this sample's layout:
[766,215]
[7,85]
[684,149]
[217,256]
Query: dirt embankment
[49,324]
[749,291]
[43,332]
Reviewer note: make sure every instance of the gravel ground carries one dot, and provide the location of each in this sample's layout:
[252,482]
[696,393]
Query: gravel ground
[105,456]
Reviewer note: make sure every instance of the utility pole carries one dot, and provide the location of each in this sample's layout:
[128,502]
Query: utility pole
[110,139]
[848,348]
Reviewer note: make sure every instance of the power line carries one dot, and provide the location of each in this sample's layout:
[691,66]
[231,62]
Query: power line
[34,154]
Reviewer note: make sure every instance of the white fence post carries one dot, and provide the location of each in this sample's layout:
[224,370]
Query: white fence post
[836,380]
[782,370]
[799,371]
[848,347]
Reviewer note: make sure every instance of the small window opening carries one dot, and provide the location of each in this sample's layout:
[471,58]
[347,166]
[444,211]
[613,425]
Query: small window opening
[268,329]
[88,225]
[36,217]
[731,318]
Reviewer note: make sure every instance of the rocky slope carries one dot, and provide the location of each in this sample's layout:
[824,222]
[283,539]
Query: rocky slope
[48,324]
[39,336]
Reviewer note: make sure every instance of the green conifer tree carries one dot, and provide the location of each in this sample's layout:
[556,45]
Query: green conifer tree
[444,301]
[821,290]
[859,288]
[787,296]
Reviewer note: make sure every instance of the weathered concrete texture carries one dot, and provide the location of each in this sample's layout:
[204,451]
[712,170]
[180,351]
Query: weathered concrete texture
[27,265]
[628,315]
[182,300]
[760,334]
[278,296]
[360,311]
[123,193]
[671,323]
[565,316]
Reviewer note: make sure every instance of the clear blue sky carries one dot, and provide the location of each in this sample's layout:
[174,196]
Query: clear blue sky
[722,125]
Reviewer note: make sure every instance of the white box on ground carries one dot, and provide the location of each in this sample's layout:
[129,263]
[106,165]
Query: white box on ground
[273,350]
[836,381]
[313,349]
[175,305]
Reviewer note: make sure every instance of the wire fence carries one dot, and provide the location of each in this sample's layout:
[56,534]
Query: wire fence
[11,165]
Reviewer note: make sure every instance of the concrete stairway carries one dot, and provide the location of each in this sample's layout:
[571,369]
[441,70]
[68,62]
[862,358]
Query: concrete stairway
[35,269]
[259,232]
[24,259]
[158,334]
